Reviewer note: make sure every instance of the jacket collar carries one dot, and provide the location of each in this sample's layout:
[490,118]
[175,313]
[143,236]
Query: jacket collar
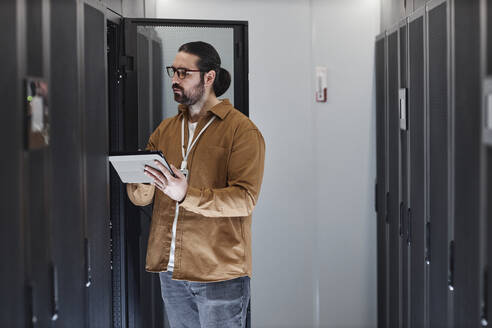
[221,109]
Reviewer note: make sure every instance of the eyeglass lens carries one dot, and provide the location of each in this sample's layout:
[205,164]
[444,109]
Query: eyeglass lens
[172,70]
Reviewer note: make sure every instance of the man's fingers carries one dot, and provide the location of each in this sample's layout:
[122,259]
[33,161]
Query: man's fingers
[161,184]
[164,171]
[153,173]
[178,173]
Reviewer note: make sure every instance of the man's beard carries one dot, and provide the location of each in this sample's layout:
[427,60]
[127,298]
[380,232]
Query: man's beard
[190,97]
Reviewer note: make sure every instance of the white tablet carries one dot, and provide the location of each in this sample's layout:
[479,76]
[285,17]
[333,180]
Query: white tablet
[130,165]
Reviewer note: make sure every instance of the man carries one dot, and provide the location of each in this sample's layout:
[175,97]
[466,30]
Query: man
[200,236]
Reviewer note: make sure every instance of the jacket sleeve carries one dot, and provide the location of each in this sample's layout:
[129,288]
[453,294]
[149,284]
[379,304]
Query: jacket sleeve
[245,174]
[141,194]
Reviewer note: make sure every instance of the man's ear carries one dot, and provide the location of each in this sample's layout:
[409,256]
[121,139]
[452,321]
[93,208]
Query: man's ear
[210,78]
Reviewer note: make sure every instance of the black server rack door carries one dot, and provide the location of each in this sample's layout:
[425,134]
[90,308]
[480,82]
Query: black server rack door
[438,164]
[467,142]
[38,230]
[116,143]
[381,180]
[68,294]
[12,308]
[97,248]
[36,178]
[403,220]
[416,214]
[393,183]
[130,225]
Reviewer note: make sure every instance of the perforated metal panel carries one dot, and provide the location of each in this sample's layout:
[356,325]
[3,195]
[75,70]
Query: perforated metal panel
[98,262]
[417,218]
[37,180]
[12,308]
[466,157]
[438,163]
[66,150]
[381,180]
[393,182]
[403,218]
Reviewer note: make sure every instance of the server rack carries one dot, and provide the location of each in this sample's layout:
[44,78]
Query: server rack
[416,214]
[441,251]
[394,205]
[441,264]
[13,248]
[466,159]
[404,250]
[97,261]
[380,188]
[68,257]
[56,251]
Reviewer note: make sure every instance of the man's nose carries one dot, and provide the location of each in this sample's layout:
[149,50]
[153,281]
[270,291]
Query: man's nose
[175,78]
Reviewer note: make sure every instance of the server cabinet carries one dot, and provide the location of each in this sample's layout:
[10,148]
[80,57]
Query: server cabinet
[441,246]
[68,299]
[393,180]
[37,180]
[381,190]
[116,142]
[466,113]
[12,248]
[416,214]
[97,261]
[137,62]
[442,269]
[404,176]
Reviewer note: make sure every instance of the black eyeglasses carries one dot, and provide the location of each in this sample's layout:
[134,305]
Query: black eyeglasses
[182,72]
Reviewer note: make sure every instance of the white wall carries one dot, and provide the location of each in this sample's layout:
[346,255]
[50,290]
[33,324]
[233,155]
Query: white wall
[314,226]
[344,32]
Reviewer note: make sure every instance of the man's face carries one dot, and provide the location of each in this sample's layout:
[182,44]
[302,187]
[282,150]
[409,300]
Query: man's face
[190,89]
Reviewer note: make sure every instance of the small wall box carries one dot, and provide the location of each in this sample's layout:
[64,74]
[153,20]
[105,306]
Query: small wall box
[321,84]
[37,118]
[487,112]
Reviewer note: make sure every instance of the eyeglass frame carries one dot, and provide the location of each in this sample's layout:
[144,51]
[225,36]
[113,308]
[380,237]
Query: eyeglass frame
[181,69]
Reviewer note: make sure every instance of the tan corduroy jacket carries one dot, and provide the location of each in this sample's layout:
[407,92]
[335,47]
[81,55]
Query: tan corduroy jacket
[213,234]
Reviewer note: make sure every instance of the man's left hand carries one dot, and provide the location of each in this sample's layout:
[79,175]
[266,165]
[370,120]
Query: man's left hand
[175,188]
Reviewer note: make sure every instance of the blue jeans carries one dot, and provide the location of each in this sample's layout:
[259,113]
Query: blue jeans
[208,304]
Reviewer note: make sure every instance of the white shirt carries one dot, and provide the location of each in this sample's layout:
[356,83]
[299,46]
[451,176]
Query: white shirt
[170,265]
